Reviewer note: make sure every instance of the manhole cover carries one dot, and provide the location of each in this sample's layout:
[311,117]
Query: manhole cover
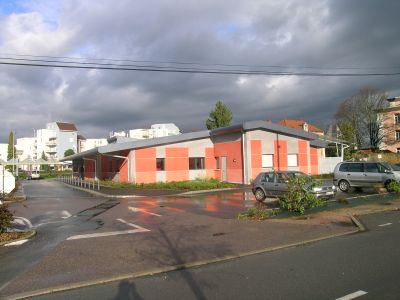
[218,234]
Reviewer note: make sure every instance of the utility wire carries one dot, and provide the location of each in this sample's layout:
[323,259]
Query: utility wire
[202,64]
[194,71]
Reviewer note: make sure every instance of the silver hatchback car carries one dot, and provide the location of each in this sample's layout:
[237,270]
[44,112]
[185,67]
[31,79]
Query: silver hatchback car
[363,174]
[275,184]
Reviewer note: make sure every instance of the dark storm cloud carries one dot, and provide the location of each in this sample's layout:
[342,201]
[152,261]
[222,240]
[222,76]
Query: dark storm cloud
[290,33]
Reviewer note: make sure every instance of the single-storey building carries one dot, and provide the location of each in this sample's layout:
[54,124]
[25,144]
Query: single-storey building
[234,154]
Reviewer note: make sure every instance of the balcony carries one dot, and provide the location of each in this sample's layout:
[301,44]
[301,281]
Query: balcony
[51,143]
[51,150]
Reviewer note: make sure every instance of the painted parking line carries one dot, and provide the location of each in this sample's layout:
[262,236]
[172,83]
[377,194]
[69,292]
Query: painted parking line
[22,221]
[353,295]
[137,229]
[17,243]
[136,209]
[65,214]
[386,224]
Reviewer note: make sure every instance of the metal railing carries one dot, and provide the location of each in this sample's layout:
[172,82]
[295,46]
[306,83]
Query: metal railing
[78,181]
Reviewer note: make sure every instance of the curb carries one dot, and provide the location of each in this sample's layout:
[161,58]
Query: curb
[131,276]
[357,223]
[32,233]
[140,196]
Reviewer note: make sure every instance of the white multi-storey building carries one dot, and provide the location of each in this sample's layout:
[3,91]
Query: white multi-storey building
[87,144]
[3,151]
[155,131]
[26,148]
[55,139]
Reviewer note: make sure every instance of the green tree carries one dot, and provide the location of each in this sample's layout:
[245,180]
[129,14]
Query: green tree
[69,152]
[221,116]
[45,167]
[10,152]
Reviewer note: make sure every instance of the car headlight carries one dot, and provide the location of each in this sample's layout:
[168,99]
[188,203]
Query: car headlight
[333,187]
[316,189]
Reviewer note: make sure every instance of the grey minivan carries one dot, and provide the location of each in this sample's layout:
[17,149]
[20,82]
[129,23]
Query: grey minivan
[363,174]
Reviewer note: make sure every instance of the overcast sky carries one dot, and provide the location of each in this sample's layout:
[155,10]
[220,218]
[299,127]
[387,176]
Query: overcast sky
[321,34]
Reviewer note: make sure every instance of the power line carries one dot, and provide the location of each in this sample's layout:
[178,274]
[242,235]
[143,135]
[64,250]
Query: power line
[197,71]
[202,64]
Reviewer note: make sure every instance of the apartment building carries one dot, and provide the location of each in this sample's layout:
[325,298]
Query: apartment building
[55,139]
[3,151]
[155,131]
[85,144]
[390,117]
[26,148]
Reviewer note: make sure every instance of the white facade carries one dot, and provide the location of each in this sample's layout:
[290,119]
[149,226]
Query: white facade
[155,131]
[91,143]
[161,130]
[3,151]
[141,134]
[26,148]
[55,139]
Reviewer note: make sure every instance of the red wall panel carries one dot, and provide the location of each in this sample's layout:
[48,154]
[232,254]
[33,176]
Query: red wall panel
[314,161]
[303,156]
[177,164]
[280,155]
[256,158]
[233,153]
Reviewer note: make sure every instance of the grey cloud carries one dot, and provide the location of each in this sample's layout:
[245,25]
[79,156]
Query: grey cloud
[310,33]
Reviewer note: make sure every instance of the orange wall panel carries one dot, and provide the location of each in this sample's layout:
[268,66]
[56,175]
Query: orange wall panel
[233,153]
[145,165]
[210,163]
[280,155]
[314,161]
[177,164]
[303,156]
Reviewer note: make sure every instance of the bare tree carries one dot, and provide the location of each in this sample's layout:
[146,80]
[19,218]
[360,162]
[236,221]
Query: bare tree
[359,120]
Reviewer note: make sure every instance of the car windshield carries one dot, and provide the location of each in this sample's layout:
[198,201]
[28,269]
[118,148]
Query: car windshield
[391,167]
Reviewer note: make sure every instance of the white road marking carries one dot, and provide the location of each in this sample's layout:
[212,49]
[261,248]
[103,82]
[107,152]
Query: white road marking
[17,243]
[135,209]
[352,295]
[22,221]
[386,224]
[132,225]
[65,214]
[110,233]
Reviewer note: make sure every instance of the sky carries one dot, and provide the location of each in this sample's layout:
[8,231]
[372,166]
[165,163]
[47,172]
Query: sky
[311,35]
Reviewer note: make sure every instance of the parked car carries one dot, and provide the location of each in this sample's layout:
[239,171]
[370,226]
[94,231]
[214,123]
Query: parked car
[34,174]
[364,174]
[274,184]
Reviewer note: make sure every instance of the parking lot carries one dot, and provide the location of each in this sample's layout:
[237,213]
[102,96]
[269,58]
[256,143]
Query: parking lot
[81,237]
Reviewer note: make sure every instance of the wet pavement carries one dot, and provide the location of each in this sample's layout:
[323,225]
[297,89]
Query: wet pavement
[82,237]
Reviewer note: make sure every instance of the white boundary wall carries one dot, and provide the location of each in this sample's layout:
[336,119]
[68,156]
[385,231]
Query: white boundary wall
[328,164]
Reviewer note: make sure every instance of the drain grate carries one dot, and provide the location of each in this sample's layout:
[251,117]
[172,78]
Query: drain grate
[219,233]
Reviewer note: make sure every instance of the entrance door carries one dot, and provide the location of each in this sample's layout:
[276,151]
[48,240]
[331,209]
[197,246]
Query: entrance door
[223,168]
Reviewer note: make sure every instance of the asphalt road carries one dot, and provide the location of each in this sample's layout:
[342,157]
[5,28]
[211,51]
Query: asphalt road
[365,265]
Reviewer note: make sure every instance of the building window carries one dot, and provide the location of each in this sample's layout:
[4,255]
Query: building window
[160,162]
[267,160]
[196,163]
[397,135]
[217,163]
[397,118]
[292,160]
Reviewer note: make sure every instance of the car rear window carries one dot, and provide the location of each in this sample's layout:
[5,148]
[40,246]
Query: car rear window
[343,167]
[355,167]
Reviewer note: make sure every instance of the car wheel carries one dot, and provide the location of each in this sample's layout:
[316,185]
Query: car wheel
[344,186]
[387,186]
[259,194]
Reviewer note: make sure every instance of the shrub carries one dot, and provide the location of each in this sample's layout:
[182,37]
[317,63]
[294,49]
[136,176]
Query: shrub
[254,213]
[5,218]
[394,186]
[297,198]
